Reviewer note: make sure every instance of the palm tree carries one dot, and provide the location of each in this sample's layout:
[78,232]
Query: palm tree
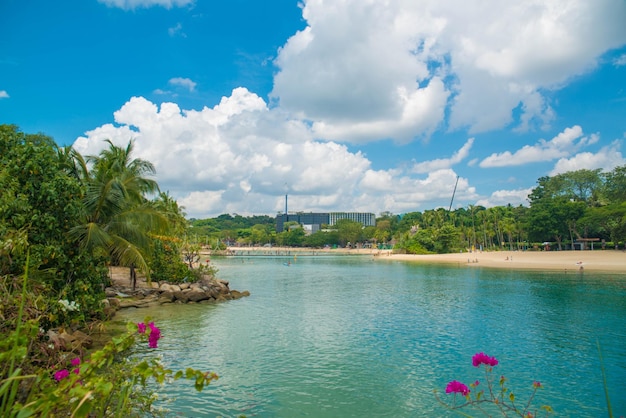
[118,217]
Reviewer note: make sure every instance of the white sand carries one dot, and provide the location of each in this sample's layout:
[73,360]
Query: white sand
[596,260]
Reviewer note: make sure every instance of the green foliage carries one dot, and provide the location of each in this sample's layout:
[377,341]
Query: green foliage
[350,232]
[40,201]
[291,236]
[166,262]
[117,218]
[320,239]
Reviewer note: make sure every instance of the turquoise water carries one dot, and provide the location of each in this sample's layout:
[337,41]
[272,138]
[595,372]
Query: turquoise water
[352,337]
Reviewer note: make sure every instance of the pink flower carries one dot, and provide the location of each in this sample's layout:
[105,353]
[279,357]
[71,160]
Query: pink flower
[76,370]
[536,384]
[476,383]
[61,374]
[141,327]
[457,387]
[482,358]
[75,362]
[155,334]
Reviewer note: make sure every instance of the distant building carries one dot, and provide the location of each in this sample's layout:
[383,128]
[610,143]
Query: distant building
[312,221]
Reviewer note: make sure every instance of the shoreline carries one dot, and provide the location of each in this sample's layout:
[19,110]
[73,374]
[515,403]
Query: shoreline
[611,261]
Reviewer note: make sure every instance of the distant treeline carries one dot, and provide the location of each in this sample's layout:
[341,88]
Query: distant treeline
[573,210]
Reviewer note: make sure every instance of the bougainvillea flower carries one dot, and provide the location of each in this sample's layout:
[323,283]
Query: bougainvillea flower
[75,362]
[141,327]
[457,387]
[61,374]
[536,384]
[155,334]
[482,358]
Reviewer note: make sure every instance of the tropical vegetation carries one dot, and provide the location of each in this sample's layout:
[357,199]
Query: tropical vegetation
[65,220]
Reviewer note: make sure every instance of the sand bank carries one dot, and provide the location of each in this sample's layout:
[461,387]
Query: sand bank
[597,260]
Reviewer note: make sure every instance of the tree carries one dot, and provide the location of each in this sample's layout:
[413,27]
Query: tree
[349,231]
[614,188]
[118,218]
[40,201]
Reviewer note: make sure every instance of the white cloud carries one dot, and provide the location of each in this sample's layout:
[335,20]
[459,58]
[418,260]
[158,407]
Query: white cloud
[238,156]
[134,4]
[363,70]
[561,146]
[620,61]
[607,159]
[4,94]
[183,82]
[441,163]
[177,30]
[504,197]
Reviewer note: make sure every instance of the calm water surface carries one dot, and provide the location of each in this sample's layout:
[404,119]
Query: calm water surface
[352,337]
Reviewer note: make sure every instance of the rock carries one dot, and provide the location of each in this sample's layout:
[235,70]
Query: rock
[181,296]
[184,286]
[197,295]
[110,292]
[169,296]
[166,287]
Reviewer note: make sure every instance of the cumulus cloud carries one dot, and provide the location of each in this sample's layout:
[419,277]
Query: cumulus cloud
[504,197]
[238,156]
[441,163]
[607,159]
[135,4]
[561,146]
[365,70]
[183,82]
[4,94]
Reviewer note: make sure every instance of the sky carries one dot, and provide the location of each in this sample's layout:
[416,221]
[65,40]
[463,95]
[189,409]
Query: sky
[344,105]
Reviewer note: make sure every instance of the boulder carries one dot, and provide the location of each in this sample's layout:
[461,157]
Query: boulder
[181,296]
[197,295]
[169,296]
[166,287]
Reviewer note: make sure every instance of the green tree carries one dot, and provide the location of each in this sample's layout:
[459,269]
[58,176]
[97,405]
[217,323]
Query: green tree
[40,201]
[614,186]
[118,218]
[349,231]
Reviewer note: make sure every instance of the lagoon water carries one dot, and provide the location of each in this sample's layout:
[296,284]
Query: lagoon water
[348,336]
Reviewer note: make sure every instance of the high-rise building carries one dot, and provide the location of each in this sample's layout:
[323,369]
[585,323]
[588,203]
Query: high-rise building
[313,221]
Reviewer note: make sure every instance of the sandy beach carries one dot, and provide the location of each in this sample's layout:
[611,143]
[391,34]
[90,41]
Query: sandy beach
[597,260]
[590,260]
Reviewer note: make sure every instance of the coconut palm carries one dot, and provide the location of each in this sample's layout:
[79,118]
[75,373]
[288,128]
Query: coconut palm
[118,217]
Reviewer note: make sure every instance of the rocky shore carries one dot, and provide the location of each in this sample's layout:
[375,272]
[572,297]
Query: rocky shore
[121,294]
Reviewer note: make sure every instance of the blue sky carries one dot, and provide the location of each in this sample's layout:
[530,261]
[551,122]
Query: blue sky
[352,105]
